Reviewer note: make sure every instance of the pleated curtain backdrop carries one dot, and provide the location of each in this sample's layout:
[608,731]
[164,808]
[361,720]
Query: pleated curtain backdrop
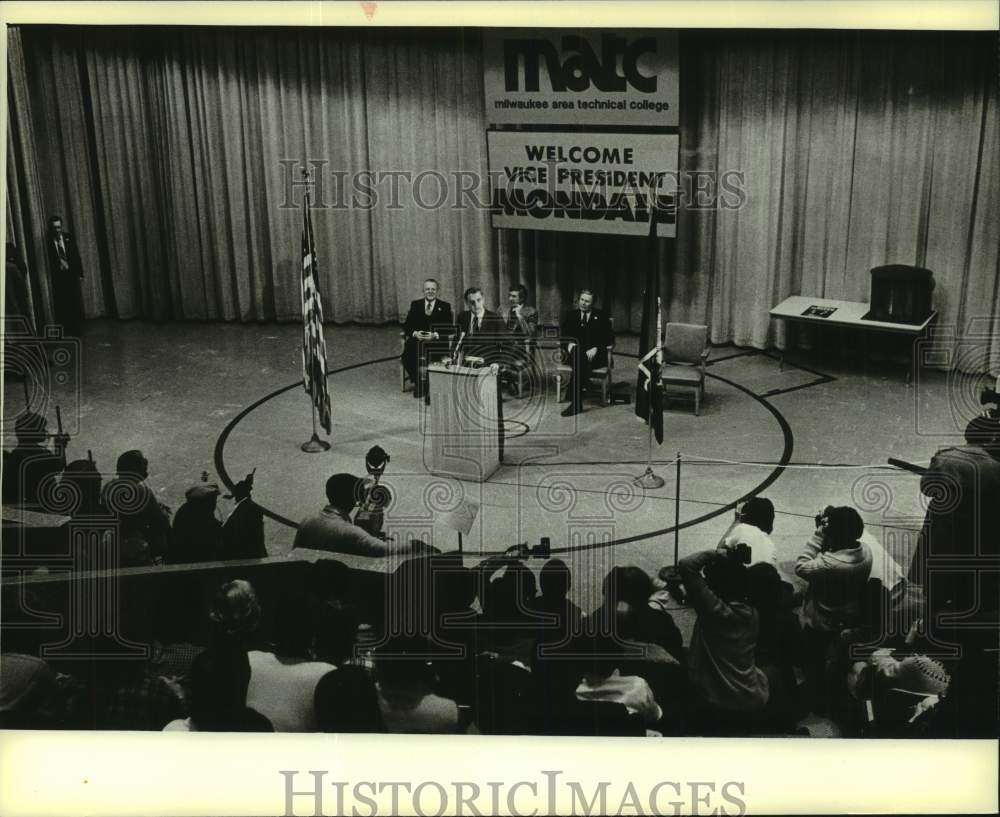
[168,153]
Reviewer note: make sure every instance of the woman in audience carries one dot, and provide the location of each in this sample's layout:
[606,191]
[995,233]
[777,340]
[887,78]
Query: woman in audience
[405,689]
[601,679]
[219,680]
[347,700]
[730,686]
[196,533]
[283,681]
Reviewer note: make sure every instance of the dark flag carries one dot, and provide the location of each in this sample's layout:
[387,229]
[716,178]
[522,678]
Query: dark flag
[650,338]
[649,386]
[313,343]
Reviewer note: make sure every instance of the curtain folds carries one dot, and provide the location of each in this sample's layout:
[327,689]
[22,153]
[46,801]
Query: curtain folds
[174,155]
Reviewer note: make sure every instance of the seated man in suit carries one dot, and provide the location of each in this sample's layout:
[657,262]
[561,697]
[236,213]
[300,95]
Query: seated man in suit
[587,332]
[429,319]
[521,321]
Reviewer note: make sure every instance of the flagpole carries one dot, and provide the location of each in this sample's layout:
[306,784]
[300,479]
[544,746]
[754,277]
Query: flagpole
[314,445]
[649,479]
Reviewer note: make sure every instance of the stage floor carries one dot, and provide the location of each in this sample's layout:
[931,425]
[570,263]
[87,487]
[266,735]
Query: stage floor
[226,398]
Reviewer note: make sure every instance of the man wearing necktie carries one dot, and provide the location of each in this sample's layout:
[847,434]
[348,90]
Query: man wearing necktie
[429,319]
[66,272]
[482,334]
[587,334]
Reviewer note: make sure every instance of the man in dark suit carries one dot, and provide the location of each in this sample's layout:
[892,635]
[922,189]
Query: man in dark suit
[481,332]
[428,319]
[66,272]
[587,333]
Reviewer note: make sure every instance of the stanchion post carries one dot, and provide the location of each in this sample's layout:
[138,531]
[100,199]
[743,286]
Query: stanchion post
[677,510]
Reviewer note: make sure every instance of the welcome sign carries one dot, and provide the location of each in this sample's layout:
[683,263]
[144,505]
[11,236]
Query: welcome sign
[581,77]
[584,182]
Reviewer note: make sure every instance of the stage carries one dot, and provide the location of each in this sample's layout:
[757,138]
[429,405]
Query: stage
[227,398]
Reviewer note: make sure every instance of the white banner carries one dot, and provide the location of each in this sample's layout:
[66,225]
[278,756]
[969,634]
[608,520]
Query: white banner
[581,77]
[584,182]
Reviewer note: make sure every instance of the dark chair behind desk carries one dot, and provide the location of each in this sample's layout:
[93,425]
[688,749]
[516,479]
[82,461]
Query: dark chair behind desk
[900,294]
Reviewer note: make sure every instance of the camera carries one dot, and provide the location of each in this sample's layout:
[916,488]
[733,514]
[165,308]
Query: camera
[741,553]
[521,551]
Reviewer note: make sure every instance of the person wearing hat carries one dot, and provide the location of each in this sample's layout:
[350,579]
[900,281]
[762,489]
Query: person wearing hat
[196,535]
[332,529]
[31,461]
[243,530]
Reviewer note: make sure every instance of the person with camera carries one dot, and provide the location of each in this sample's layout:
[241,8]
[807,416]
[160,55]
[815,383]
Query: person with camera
[835,566]
[333,529]
[752,526]
[730,688]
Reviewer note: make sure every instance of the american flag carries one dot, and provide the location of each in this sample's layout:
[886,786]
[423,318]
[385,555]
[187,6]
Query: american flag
[313,344]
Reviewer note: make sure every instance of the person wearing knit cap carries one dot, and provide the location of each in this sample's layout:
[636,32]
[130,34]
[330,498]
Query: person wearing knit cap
[197,532]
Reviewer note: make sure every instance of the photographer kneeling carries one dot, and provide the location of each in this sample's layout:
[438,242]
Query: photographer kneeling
[731,690]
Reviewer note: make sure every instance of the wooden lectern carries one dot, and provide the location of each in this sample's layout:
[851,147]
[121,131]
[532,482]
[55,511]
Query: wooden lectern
[461,432]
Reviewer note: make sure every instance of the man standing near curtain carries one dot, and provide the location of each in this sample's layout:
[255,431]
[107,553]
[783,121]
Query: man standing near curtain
[66,273]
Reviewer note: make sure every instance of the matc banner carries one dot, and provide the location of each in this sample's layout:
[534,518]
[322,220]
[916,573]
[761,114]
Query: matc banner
[612,183]
[581,77]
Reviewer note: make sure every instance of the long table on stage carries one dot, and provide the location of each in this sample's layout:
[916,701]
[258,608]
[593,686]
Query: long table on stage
[462,424]
[845,314]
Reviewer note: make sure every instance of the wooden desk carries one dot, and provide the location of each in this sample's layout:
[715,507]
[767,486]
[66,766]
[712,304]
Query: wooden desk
[849,314]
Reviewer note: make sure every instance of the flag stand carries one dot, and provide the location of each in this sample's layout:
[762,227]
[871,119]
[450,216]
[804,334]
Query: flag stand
[315,445]
[649,479]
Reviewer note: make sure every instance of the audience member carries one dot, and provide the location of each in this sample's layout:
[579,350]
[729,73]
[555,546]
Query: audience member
[31,462]
[28,693]
[405,689]
[721,659]
[219,681]
[508,625]
[234,615]
[336,633]
[554,583]
[243,530]
[628,612]
[752,527]
[347,701]
[835,566]
[83,479]
[283,681]
[602,680]
[197,531]
[333,530]
[143,523]
[962,484]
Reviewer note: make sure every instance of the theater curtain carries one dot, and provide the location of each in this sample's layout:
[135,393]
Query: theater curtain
[164,149]
[169,153]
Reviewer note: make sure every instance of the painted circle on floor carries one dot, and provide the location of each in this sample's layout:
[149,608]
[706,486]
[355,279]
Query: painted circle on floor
[516,430]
